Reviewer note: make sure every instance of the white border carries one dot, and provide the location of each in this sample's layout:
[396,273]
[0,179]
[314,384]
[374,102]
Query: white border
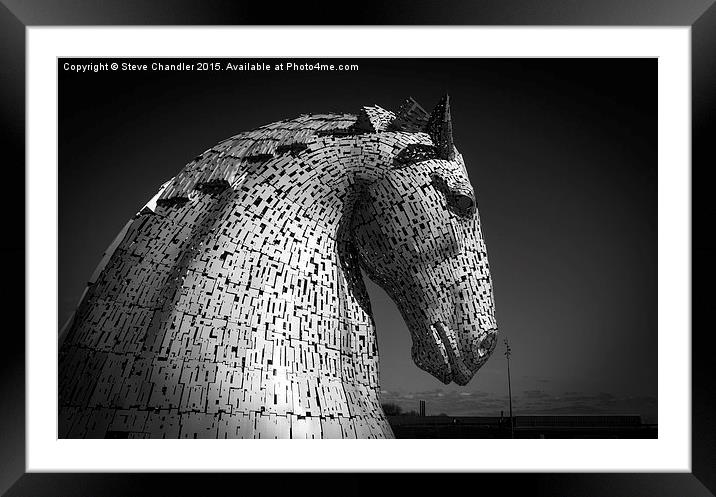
[670,452]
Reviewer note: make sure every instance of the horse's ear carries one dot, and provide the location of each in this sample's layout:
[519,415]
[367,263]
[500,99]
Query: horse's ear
[411,117]
[439,127]
[373,119]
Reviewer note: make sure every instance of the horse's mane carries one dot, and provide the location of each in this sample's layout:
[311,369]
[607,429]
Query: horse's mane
[219,166]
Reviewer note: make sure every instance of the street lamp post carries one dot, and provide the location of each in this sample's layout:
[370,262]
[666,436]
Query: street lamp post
[508,351]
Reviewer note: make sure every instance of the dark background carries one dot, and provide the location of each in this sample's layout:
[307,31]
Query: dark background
[562,155]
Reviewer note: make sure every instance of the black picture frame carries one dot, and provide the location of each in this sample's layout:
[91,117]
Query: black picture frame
[16,15]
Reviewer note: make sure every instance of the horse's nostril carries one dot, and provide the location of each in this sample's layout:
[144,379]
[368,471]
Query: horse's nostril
[483,348]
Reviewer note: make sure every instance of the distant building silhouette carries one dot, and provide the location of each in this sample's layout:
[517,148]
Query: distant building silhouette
[529,426]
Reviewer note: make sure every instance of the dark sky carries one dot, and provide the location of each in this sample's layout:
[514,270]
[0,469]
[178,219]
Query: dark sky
[563,157]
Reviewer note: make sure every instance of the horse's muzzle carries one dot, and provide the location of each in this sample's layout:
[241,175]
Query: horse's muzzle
[464,361]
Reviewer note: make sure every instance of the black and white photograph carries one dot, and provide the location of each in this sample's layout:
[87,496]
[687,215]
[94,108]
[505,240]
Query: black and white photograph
[298,248]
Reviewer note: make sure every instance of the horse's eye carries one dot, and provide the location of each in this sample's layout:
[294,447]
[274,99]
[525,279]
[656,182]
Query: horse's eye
[460,202]
[413,153]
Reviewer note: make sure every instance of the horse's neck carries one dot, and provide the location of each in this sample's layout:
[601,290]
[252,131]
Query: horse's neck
[238,315]
[313,342]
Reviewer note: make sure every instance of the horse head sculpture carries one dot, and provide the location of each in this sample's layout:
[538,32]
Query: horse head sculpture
[233,305]
[419,237]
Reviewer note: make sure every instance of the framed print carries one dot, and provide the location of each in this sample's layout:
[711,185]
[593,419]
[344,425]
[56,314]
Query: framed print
[279,196]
